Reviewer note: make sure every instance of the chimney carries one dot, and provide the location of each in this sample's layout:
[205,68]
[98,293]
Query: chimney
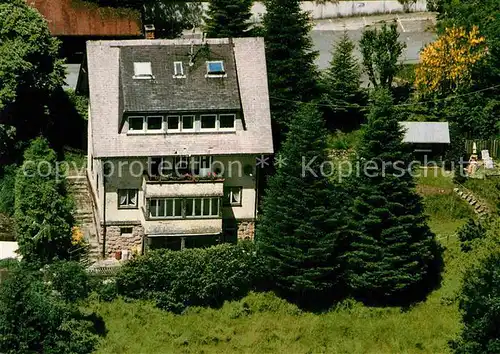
[149,31]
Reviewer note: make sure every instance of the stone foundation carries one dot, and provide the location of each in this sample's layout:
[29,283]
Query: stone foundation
[246,230]
[115,241]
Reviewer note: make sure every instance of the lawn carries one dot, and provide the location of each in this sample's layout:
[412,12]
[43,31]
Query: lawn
[263,323]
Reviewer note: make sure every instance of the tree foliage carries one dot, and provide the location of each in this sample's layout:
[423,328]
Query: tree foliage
[300,230]
[34,319]
[446,65]
[341,87]
[480,305]
[42,209]
[228,18]
[29,68]
[393,255]
[470,232]
[290,60]
[381,50]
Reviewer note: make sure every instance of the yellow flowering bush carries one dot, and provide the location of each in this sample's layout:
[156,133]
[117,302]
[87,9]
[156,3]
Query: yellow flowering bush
[446,64]
[76,236]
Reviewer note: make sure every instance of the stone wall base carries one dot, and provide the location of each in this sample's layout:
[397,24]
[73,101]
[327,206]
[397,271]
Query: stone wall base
[246,230]
[118,240]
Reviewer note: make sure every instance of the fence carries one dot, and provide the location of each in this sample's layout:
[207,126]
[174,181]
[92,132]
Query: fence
[492,145]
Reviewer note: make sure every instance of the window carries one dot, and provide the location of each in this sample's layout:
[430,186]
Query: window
[126,231]
[143,70]
[187,123]
[171,208]
[215,68]
[136,123]
[201,207]
[127,198]
[178,69]
[165,208]
[173,123]
[232,196]
[170,165]
[155,123]
[208,121]
[226,121]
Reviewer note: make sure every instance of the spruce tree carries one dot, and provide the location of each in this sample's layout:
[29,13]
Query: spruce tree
[394,257]
[290,58]
[299,233]
[228,18]
[341,86]
[42,209]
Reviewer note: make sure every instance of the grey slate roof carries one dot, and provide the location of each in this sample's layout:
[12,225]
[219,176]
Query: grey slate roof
[108,101]
[166,93]
[426,132]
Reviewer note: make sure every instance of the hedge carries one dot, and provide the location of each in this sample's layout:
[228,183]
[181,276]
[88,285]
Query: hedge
[193,277]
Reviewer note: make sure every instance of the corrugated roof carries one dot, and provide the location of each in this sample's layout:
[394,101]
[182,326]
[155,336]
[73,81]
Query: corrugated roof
[426,132]
[68,18]
[255,137]
[165,93]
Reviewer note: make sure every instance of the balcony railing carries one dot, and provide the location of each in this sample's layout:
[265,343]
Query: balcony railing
[209,186]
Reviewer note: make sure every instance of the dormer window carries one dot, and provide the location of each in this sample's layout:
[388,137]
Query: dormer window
[178,70]
[143,70]
[215,69]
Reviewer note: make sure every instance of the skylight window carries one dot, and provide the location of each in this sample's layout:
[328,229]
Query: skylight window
[178,69]
[215,68]
[143,70]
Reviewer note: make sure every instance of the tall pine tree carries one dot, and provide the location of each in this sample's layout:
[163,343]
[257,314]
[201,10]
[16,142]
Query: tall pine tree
[341,87]
[228,18]
[42,209]
[290,57]
[394,257]
[300,231]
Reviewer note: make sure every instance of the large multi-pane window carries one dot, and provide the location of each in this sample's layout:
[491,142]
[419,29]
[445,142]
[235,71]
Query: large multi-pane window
[180,165]
[171,208]
[188,123]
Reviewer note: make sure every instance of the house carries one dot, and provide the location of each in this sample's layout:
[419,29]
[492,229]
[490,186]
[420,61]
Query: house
[428,138]
[175,127]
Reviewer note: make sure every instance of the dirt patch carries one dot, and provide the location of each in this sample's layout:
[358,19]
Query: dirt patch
[432,190]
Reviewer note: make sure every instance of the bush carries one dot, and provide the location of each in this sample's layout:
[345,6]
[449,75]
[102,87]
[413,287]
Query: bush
[480,305]
[470,232]
[69,279]
[34,320]
[106,290]
[193,277]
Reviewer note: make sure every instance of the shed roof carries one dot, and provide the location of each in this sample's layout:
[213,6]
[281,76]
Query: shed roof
[426,132]
[69,18]
[246,88]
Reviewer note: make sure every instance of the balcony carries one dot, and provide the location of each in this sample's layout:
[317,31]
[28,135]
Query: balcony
[155,187]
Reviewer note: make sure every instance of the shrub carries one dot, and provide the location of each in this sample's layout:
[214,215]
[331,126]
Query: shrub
[106,290]
[69,279]
[480,305]
[193,277]
[468,233]
[34,320]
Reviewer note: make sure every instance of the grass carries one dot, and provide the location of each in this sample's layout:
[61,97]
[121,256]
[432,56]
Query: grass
[263,323]
[485,189]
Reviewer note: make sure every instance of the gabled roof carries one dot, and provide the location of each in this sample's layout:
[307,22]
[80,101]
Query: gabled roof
[426,132]
[110,95]
[167,93]
[71,18]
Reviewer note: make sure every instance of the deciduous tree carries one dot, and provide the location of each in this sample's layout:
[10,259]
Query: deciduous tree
[381,50]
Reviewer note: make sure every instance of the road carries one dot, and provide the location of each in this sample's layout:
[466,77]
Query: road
[415,30]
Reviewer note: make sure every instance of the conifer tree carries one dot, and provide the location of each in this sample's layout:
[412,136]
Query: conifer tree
[299,234]
[341,86]
[228,18]
[290,58]
[393,256]
[42,209]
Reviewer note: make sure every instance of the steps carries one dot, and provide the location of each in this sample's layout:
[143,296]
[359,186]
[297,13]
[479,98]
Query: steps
[480,207]
[84,213]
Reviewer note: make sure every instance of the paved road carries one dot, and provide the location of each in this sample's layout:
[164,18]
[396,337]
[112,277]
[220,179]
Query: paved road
[415,31]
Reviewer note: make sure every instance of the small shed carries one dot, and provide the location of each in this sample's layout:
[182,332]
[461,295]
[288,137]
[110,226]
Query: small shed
[428,138]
